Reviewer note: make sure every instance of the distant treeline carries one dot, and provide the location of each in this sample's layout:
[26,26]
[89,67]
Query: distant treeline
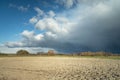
[96,54]
[52,53]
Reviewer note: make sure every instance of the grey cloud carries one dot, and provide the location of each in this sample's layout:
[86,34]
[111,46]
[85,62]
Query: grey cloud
[66,3]
[71,3]
[99,31]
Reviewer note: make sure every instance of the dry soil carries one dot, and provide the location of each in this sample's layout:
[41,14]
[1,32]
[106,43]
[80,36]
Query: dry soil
[58,68]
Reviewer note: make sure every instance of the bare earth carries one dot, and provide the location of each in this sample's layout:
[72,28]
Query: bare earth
[58,68]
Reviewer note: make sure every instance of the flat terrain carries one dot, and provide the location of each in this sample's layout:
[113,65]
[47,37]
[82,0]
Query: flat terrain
[58,68]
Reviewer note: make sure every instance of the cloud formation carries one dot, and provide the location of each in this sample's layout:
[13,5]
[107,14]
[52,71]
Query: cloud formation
[73,3]
[89,25]
[33,50]
[66,3]
[20,8]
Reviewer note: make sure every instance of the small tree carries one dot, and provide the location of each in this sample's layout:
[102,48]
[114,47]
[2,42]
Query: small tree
[51,52]
[22,52]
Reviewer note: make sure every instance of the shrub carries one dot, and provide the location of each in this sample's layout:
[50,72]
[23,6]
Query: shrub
[87,54]
[51,52]
[22,52]
[95,54]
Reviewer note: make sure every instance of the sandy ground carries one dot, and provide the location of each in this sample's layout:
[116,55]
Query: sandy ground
[58,68]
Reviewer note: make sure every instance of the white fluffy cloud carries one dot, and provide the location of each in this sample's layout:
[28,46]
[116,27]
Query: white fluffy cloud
[29,39]
[50,24]
[27,34]
[51,13]
[91,24]
[33,20]
[39,11]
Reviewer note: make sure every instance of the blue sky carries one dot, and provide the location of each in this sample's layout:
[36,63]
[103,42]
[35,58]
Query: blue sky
[13,21]
[61,25]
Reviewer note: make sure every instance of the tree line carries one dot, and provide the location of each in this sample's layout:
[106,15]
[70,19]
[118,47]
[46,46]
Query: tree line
[52,53]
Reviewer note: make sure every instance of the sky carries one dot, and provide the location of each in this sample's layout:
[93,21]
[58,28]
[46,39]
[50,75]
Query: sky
[65,26]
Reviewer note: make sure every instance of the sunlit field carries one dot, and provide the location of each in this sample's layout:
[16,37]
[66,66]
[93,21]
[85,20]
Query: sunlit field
[59,68]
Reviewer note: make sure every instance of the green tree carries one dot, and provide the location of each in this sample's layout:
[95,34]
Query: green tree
[22,52]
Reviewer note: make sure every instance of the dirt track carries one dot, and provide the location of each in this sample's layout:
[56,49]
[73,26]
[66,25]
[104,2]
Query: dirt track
[58,68]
